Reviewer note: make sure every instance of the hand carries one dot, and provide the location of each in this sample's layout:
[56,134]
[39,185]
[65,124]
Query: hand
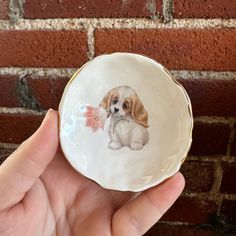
[41,194]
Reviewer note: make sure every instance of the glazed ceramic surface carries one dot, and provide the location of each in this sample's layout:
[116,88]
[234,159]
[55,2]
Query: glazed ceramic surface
[125,122]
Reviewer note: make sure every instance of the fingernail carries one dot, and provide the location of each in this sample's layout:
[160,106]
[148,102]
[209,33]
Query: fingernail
[176,175]
[48,112]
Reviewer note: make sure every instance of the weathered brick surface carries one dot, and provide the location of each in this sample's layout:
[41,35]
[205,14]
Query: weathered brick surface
[164,229]
[4,9]
[210,139]
[15,128]
[189,49]
[200,209]
[8,91]
[211,97]
[47,92]
[229,177]
[43,48]
[228,208]
[199,176]
[85,8]
[204,9]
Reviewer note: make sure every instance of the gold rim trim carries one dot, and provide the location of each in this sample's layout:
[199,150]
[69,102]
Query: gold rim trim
[77,72]
[189,109]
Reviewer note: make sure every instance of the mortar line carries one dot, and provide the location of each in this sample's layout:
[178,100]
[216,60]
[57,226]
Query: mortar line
[25,95]
[202,195]
[215,190]
[90,38]
[215,119]
[190,74]
[229,196]
[151,6]
[52,73]
[210,195]
[67,72]
[213,158]
[20,110]
[8,145]
[115,23]
[176,223]
[16,10]
[167,9]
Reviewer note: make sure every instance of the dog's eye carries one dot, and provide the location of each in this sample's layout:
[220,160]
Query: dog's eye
[114,101]
[125,106]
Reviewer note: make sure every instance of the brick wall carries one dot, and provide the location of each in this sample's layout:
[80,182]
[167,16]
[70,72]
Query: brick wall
[42,43]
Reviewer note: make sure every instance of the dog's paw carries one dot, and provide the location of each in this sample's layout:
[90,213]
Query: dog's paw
[114,145]
[136,146]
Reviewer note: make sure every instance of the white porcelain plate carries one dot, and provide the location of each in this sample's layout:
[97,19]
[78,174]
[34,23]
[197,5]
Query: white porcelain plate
[125,122]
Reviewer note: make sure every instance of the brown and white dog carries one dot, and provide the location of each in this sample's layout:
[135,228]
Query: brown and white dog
[128,118]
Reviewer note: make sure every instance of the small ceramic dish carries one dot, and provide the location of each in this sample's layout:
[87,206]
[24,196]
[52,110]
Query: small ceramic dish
[125,122]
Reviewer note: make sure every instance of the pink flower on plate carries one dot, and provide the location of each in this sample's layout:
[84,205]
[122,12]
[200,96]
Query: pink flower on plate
[94,118]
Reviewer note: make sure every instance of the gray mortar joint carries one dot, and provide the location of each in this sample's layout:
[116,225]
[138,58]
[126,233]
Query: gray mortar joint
[26,97]
[167,6]
[16,10]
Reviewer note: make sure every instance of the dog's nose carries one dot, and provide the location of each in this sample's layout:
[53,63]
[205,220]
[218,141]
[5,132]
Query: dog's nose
[116,109]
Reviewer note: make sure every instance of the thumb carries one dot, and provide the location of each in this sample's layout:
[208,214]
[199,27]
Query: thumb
[144,211]
[21,169]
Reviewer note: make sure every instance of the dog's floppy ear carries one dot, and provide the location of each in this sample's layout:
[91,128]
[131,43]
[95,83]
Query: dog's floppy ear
[106,101]
[138,112]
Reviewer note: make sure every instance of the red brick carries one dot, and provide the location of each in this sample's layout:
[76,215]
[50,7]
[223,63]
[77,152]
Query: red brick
[229,177]
[188,49]
[8,91]
[233,147]
[199,176]
[190,210]
[211,97]
[43,48]
[46,91]
[4,8]
[210,139]
[204,9]
[4,153]
[86,8]
[165,229]
[228,208]
[15,128]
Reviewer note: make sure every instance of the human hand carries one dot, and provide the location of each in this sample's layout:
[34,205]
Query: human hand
[41,194]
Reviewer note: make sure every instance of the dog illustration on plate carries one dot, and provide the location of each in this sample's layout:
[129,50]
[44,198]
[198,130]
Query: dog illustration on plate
[128,118]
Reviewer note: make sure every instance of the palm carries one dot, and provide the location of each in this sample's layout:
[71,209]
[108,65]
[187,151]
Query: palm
[62,202]
[41,194]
